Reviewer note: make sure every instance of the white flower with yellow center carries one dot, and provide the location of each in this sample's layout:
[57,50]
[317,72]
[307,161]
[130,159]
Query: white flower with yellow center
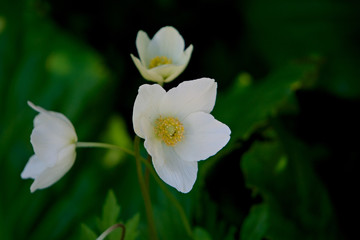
[178,128]
[54,141]
[162,58]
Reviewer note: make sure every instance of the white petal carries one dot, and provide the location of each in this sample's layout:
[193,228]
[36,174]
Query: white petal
[47,139]
[146,107]
[145,72]
[52,132]
[185,58]
[182,65]
[52,174]
[167,70]
[33,168]
[174,171]
[167,42]
[190,96]
[204,137]
[154,147]
[46,115]
[142,42]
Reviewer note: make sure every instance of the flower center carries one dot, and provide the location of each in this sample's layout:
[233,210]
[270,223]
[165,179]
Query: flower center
[169,129]
[157,61]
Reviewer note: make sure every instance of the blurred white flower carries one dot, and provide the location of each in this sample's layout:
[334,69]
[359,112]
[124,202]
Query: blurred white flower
[178,128]
[54,141]
[162,58]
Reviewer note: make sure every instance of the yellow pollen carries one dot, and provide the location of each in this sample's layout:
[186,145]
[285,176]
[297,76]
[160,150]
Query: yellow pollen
[157,61]
[170,130]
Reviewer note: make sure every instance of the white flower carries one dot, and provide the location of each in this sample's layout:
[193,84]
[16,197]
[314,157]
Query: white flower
[54,142]
[163,58]
[178,128]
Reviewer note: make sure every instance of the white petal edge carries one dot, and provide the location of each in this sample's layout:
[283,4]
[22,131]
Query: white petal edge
[174,171]
[188,97]
[154,147]
[33,168]
[146,107]
[52,131]
[167,70]
[145,73]
[204,137]
[167,42]
[61,117]
[51,175]
[183,64]
[142,43]
[59,123]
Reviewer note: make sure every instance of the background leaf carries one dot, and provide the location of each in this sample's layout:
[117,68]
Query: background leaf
[290,190]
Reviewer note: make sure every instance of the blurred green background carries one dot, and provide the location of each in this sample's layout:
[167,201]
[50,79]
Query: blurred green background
[288,87]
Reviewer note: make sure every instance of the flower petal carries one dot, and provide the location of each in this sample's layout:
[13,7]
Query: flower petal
[33,168]
[204,137]
[50,134]
[154,147]
[145,72]
[173,170]
[146,107]
[167,42]
[59,118]
[142,42]
[182,65]
[52,174]
[190,96]
[165,71]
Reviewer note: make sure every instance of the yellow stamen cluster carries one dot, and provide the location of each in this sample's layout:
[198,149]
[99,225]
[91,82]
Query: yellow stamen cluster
[170,130]
[157,61]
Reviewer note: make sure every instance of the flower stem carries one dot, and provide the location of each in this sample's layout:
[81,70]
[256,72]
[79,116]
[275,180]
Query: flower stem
[143,183]
[104,145]
[170,196]
[144,191]
[112,228]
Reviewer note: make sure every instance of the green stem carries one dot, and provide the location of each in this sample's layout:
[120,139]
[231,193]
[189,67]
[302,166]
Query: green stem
[144,190]
[112,228]
[150,169]
[170,196]
[103,145]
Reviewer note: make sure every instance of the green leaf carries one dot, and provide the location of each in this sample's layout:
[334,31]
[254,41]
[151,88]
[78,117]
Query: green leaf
[111,211]
[86,233]
[117,134]
[41,63]
[201,234]
[296,204]
[132,227]
[248,105]
[285,30]
[256,225]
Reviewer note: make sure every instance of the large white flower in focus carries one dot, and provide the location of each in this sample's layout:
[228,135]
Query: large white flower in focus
[162,58]
[178,128]
[54,141]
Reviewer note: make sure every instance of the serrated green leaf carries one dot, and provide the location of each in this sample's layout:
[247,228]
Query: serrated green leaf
[86,233]
[111,211]
[132,227]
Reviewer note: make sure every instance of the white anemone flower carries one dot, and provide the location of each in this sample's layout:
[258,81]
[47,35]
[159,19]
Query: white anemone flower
[162,58]
[54,141]
[178,129]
